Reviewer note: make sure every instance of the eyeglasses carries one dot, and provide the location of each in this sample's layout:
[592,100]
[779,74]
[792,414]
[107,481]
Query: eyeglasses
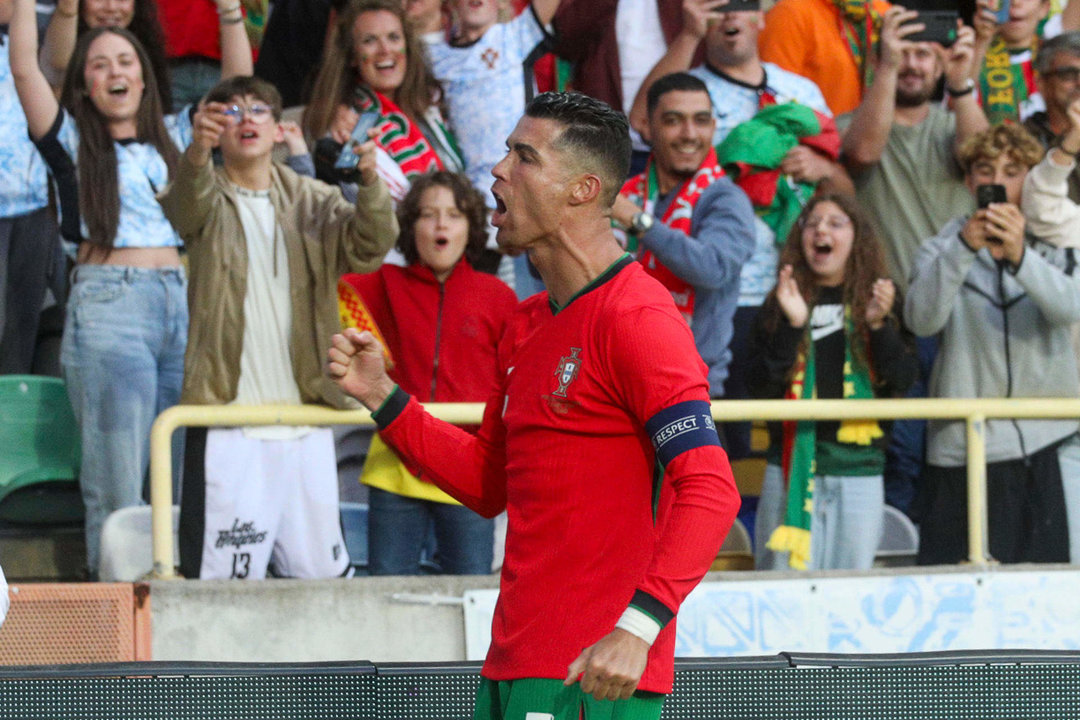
[257,113]
[1066,74]
[832,222]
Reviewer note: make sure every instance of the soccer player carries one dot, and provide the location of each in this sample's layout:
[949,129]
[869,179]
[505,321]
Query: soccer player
[598,441]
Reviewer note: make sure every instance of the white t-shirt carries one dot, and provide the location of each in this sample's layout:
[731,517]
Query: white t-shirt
[486,84]
[266,369]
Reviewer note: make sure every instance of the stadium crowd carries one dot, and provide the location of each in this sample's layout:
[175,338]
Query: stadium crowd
[845,199]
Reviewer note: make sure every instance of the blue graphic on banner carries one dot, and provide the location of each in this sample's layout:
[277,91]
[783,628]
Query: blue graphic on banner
[872,614]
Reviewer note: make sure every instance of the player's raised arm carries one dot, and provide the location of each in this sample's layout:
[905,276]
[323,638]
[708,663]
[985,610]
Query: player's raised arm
[470,468]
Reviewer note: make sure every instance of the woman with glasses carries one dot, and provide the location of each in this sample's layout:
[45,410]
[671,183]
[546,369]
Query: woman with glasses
[827,330]
[112,150]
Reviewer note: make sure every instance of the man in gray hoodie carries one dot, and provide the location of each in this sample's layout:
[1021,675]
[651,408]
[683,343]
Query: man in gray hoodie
[1003,302]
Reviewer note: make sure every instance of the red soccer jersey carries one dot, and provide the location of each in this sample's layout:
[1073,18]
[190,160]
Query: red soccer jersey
[567,447]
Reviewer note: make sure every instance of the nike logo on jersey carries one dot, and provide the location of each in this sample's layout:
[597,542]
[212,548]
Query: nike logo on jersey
[826,320]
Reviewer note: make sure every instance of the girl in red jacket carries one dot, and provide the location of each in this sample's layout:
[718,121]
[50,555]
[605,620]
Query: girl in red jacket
[441,321]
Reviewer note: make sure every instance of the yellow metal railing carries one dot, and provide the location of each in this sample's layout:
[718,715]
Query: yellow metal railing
[974,411]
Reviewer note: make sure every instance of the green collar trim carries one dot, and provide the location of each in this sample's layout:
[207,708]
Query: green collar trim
[608,274]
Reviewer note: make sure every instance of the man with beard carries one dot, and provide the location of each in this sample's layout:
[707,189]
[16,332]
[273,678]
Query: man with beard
[900,147]
[1058,68]
[901,151]
[740,85]
[689,225]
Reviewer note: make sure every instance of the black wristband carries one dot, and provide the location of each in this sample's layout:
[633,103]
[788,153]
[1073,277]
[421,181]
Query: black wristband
[962,92]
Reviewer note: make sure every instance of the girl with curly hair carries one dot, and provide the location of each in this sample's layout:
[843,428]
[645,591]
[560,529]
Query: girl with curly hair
[827,330]
[440,321]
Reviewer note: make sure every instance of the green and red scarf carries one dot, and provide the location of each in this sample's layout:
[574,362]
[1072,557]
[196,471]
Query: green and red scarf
[400,137]
[800,443]
[860,24]
[643,190]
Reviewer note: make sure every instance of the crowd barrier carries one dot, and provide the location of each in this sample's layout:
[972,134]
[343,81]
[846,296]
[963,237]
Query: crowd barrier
[987,685]
[975,412]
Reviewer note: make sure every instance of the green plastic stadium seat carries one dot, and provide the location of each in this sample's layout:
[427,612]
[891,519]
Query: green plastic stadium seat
[39,452]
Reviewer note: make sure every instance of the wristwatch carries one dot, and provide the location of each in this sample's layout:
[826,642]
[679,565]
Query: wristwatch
[640,223]
[969,87]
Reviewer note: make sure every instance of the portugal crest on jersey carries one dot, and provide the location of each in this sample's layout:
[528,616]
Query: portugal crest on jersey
[567,371]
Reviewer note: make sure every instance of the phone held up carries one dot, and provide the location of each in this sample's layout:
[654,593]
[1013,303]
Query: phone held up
[986,194]
[939,18]
[347,160]
[741,6]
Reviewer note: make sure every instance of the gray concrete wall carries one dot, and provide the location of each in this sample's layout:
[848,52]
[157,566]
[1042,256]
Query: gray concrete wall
[309,621]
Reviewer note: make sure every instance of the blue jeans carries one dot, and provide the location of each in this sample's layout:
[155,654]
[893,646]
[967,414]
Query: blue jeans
[845,529]
[397,528]
[123,360]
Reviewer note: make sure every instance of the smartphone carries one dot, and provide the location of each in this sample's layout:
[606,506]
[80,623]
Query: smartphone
[986,194]
[1001,10]
[347,159]
[740,6]
[940,27]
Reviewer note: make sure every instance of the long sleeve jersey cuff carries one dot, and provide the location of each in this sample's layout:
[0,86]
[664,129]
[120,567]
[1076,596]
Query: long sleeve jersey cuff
[645,608]
[393,406]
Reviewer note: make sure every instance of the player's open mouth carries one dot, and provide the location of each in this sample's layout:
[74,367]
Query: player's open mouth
[499,212]
[822,249]
[118,90]
[385,65]
[732,31]
[441,242]
[248,135]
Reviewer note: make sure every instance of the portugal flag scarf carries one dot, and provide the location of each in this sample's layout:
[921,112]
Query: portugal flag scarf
[399,136]
[643,191]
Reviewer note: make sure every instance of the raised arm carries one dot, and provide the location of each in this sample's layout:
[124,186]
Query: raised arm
[871,122]
[959,62]
[679,55]
[36,96]
[470,468]
[235,46]
[59,43]
[189,198]
[1051,215]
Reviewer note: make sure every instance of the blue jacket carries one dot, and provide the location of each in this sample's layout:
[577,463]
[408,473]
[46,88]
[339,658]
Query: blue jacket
[710,258]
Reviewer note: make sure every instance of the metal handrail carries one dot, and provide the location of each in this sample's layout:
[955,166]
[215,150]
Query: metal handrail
[975,412]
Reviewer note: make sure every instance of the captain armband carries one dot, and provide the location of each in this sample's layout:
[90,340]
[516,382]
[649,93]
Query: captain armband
[681,427]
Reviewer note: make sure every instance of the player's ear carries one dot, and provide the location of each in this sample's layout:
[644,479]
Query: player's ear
[585,188]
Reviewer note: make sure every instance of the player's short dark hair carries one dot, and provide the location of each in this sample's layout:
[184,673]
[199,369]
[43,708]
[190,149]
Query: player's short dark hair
[1068,43]
[467,199]
[671,83]
[595,134]
[242,85]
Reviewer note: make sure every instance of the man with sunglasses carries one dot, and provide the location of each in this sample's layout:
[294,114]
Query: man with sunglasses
[266,247]
[1058,68]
